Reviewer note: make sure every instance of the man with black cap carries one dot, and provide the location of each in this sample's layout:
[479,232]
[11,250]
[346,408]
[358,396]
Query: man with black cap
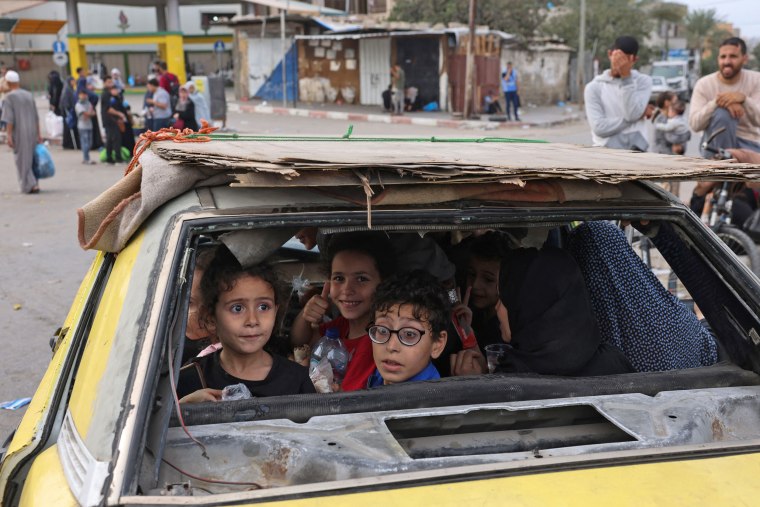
[729,100]
[617,101]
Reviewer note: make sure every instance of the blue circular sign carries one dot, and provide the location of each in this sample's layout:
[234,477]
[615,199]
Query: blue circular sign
[59,47]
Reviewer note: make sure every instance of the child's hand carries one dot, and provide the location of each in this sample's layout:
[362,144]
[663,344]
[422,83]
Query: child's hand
[317,306]
[462,311]
[202,395]
[468,362]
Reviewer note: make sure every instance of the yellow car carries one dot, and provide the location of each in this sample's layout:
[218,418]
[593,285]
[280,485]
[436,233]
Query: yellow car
[105,426]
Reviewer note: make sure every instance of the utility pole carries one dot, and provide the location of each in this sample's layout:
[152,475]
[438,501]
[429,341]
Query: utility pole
[469,75]
[283,13]
[582,53]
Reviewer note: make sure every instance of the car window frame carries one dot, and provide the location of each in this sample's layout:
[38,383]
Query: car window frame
[460,215]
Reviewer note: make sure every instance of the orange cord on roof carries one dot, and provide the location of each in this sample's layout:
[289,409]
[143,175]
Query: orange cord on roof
[168,134]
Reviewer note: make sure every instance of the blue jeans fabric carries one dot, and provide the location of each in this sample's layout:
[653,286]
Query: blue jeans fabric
[728,138]
[159,123]
[85,140]
[511,99]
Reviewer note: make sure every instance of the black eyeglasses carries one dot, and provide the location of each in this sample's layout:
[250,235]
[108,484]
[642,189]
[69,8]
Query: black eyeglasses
[408,336]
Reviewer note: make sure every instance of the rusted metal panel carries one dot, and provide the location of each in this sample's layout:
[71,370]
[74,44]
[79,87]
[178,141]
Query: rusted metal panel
[487,75]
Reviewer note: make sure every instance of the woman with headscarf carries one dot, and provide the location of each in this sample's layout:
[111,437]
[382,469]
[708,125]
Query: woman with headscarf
[55,88]
[184,111]
[636,313]
[552,328]
[67,104]
[97,138]
[118,82]
[537,303]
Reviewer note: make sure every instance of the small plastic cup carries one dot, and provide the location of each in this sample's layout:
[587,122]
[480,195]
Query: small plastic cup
[495,353]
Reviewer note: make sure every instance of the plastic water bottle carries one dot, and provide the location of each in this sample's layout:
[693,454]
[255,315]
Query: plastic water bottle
[331,347]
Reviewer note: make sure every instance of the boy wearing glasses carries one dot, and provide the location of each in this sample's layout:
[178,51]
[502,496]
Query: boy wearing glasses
[411,313]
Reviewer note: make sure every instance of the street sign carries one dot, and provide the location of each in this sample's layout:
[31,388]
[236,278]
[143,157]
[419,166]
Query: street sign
[219,46]
[59,47]
[60,59]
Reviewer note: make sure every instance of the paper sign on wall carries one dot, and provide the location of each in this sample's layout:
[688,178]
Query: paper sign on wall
[326,43]
[350,64]
[319,52]
[330,54]
[337,45]
[350,53]
[334,65]
[313,42]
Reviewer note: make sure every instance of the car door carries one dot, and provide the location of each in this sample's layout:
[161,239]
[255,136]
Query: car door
[43,417]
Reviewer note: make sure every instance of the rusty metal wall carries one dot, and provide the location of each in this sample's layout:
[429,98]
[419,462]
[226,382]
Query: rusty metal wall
[487,77]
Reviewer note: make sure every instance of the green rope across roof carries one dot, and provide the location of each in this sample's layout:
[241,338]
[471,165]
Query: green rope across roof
[432,139]
[350,130]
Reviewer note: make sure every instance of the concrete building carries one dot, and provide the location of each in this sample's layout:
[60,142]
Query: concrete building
[127,34]
[543,68]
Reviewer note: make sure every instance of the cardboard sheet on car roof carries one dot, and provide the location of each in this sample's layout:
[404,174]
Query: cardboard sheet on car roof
[450,161]
[378,172]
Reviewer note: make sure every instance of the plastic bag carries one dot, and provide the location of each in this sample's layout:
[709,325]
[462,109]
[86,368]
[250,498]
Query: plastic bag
[53,124]
[322,376]
[42,165]
[71,119]
[235,392]
[125,155]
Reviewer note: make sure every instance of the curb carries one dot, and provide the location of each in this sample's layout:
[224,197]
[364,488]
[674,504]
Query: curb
[396,120]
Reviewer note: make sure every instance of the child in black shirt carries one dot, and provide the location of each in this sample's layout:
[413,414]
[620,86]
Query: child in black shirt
[240,308]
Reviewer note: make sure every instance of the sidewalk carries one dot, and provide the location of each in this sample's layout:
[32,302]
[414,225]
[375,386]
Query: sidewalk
[532,116]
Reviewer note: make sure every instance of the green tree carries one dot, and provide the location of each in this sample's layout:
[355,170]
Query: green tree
[605,21]
[518,17]
[699,24]
[714,38]
[666,15]
[756,55]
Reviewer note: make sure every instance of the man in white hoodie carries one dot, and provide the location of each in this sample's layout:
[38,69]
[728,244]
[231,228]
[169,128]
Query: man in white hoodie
[617,101]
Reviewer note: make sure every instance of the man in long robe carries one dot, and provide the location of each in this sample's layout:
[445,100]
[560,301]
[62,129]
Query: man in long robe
[23,127]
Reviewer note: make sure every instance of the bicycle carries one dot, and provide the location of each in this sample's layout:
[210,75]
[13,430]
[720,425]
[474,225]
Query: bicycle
[720,215]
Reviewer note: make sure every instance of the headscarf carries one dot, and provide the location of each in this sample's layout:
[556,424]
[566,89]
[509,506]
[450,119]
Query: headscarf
[55,87]
[554,329]
[68,97]
[635,311]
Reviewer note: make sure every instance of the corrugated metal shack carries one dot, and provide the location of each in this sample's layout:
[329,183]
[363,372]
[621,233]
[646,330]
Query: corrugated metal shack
[259,55]
[353,65]
[333,61]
